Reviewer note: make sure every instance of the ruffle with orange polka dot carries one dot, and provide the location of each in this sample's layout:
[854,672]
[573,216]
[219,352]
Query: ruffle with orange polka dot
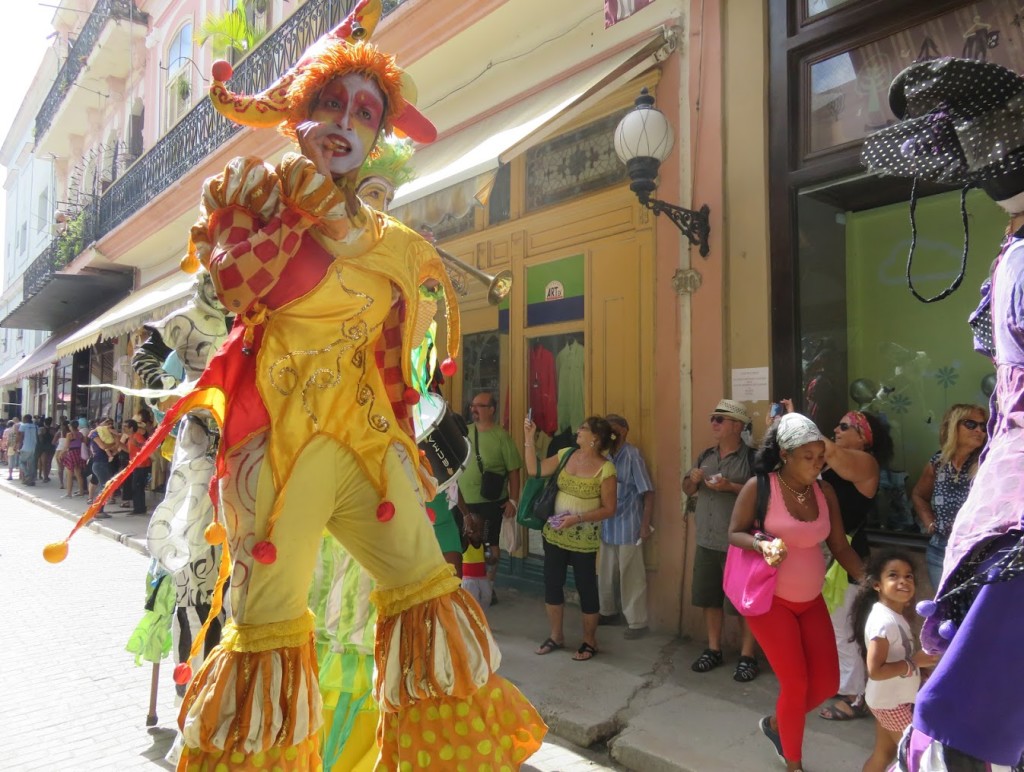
[443,706]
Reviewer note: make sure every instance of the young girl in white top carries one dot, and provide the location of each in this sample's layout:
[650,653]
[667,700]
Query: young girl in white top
[894,660]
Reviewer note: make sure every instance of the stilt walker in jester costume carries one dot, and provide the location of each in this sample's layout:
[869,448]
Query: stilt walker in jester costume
[341,589]
[310,393]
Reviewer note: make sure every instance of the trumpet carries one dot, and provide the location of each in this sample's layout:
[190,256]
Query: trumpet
[498,286]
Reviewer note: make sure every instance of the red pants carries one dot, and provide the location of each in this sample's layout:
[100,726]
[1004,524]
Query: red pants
[798,640]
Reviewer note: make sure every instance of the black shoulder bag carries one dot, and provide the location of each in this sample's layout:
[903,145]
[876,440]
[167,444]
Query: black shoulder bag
[544,504]
[492,484]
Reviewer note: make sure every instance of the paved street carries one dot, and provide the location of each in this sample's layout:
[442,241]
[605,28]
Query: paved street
[73,698]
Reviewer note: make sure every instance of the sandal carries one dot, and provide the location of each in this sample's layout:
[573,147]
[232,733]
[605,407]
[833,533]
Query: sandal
[549,646]
[707,661]
[858,709]
[584,652]
[747,670]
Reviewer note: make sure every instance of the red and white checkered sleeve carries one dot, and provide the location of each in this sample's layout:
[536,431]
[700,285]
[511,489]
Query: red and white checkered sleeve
[248,260]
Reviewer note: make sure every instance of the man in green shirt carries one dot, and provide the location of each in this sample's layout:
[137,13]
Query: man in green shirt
[492,450]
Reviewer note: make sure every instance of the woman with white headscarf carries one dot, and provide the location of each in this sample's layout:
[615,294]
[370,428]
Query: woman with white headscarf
[796,632]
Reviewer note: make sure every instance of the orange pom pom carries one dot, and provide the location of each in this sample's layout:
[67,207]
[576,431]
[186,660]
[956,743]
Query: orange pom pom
[215,533]
[182,674]
[385,511]
[264,552]
[56,552]
[222,70]
[448,367]
[189,263]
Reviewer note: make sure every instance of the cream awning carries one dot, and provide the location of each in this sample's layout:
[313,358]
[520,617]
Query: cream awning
[147,304]
[44,357]
[480,148]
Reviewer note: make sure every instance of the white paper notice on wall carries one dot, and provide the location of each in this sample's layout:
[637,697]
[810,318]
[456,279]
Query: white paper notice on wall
[750,384]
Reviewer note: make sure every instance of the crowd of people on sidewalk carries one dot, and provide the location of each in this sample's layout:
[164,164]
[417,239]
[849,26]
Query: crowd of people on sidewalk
[82,454]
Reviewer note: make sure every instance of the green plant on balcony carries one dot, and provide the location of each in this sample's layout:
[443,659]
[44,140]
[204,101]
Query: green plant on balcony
[70,241]
[233,30]
[182,86]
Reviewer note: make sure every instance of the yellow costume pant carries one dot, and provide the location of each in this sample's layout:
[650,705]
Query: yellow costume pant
[255,703]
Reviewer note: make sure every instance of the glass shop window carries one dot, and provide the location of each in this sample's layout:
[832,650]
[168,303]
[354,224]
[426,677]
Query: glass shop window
[868,344]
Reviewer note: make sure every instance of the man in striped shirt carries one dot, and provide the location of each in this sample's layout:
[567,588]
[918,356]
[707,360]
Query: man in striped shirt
[623,535]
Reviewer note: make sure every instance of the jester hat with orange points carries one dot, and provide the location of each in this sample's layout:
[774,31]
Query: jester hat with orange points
[343,50]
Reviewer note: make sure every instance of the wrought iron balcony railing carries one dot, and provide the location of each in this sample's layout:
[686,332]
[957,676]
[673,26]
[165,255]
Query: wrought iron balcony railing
[203,129]
[104,11]
[78,233]
[197,135]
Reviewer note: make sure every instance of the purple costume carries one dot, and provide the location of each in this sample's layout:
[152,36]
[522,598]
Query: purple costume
[973,703]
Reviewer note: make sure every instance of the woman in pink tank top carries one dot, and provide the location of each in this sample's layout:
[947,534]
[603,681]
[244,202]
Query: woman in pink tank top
[796,632]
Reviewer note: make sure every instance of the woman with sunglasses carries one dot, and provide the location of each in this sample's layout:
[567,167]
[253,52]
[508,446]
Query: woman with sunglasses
[860,447]
[947,477]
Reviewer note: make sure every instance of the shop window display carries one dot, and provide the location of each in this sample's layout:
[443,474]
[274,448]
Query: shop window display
[868,345]
[481,363]
[555,395]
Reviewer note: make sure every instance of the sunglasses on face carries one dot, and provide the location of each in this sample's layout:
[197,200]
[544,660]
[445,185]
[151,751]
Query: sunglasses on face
[972,424]
[718,419]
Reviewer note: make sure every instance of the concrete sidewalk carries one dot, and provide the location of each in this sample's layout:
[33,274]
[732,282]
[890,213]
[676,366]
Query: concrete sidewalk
[641,700]
[638,700]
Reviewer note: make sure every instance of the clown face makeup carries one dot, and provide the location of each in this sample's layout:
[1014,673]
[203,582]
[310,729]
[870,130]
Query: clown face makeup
[350,110]
[376,192]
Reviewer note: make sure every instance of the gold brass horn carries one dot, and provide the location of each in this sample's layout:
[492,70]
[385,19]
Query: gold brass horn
[498,286]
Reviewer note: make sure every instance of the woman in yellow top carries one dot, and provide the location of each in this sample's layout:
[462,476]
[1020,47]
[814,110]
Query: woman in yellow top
[312,391]
[586,496]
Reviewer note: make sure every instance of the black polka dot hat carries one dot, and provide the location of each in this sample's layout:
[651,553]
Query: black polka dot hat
[962,124]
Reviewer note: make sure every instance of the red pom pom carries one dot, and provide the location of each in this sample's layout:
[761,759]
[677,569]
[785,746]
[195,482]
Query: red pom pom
[264,552]
[385,511]
[222,70]
[448,367]
[410,396]
[182,674]
[431,515]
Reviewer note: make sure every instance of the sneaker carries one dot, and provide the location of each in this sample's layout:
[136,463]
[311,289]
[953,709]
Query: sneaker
[609,619]
[633,633]
[766,729]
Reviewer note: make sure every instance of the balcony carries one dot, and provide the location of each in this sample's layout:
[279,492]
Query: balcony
[203,130]
[51,299]
[104,49]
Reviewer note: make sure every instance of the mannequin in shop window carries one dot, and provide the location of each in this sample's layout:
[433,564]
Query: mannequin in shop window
[569,366]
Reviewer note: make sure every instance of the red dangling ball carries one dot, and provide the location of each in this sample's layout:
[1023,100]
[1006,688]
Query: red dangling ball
[264,552]
[431,515]
[385,511]
[448,367]
[182,673]
[222,70]
[410,396]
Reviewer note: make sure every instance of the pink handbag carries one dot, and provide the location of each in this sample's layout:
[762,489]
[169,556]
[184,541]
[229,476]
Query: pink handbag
[749,582]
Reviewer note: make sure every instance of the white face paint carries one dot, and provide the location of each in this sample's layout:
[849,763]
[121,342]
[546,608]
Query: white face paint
[351,108]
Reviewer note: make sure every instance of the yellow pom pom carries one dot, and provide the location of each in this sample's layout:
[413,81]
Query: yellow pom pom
[190,263]
[56,552]
[215,533]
